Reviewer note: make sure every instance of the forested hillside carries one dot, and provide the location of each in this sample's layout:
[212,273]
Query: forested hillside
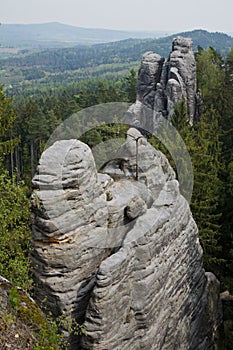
[51,67]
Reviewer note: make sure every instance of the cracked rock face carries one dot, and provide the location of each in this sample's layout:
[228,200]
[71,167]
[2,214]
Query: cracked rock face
[121,256]
[162,83]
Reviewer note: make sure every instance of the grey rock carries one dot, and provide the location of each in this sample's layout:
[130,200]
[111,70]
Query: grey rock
[148,76]
[162,83]
[183,70]
[227,302]
[143,161]
[121,256]
[136,207]
[5,286]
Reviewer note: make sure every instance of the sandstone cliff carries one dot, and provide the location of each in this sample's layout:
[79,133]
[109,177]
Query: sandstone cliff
[119,255]
[162,83]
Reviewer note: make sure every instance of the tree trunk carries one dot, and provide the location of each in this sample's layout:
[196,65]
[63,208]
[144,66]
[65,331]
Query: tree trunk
[17,163]
[32,158]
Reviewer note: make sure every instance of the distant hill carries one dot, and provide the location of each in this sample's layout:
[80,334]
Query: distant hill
[48,35]
[66,65]
[219,41]
[57,60]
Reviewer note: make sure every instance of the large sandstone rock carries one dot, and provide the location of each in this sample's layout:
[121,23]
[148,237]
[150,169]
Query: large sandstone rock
[162,83]
[119,255]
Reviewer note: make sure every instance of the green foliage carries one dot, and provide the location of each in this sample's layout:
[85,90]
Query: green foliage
[226,174]
[180,119]
[23,324]
[14,211]
[229,64]
[131,87]
[14,299]
[44,103]
[175,140]
[210,145]
[109,196]
[7,117]
[55,67]
[50,332]
[211,79]
[207,186]
[22,320]
[25,129]
[15,231]
[49,337]
[37,118]
[203,143]
[46,328]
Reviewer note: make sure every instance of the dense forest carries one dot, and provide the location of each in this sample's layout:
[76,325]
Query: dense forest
[27,120]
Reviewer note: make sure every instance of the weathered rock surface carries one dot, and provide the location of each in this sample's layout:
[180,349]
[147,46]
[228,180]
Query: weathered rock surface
[162,83]
[227,302]
[121,256]
[227,308]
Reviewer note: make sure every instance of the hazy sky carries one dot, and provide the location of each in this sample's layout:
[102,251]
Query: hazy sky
[171,15]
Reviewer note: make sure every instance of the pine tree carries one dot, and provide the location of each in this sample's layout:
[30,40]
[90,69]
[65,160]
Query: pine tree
[203,145]
[15,230]
[14,209]
[227,175]
[37,132]
[216,84]
[7,137]
[207,187]
[131,86]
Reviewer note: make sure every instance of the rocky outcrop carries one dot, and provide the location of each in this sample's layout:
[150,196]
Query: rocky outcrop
[227,331]
[119,251]
[20,319]
[162,83]
[227,302]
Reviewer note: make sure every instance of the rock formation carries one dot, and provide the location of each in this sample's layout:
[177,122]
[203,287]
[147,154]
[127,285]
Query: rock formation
[162,83]
[121,256]
[227,308]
